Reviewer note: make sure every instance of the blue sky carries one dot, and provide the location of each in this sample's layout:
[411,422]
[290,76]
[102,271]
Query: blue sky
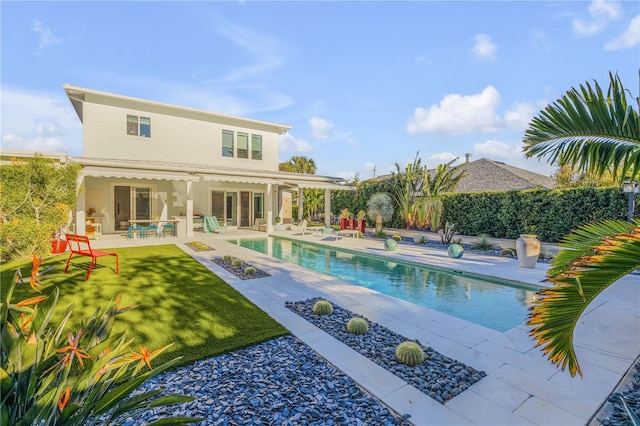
[364,84]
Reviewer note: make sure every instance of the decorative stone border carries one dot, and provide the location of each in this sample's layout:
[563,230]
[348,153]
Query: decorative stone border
[440,377]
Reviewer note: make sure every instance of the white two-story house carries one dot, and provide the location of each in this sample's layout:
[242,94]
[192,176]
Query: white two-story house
[143,159]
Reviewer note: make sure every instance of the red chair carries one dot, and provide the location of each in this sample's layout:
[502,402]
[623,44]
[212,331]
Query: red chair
[79,245]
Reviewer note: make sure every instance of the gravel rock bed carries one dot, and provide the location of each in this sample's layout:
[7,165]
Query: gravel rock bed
[278,382]
[238,271]
[440,377]
[618,415]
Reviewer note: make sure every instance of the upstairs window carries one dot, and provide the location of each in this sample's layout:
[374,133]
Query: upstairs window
[243,145]
[227,143]
[138,126]
[256,147]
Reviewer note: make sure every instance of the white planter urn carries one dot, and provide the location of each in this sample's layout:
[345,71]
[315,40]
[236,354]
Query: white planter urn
[528,249]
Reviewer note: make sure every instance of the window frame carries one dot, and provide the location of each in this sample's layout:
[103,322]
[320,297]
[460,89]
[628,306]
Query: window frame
[230,150]
[135,126]
[258,139]
[242,152]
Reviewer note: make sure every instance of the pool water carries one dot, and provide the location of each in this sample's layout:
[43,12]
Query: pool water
[488,303]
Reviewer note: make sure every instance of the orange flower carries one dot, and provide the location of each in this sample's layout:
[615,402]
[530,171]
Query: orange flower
[71,351]
[64,398]
[144,357]
[35,281]
[31,301]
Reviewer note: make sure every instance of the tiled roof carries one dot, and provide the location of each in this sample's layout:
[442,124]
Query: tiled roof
[486,175]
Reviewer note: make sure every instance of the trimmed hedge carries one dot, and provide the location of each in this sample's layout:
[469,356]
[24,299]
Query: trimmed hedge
[550,214]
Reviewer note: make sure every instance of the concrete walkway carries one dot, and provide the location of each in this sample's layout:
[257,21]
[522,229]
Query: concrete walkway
[521,387]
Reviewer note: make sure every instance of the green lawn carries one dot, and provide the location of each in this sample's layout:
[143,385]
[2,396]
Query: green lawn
[180,301]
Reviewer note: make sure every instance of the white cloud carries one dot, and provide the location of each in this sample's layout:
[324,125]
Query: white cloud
[484,49]
[601,13]
[320,128]
[443,157]
[46,35]
[39,121]
[495,149]
[291,145]
[630,38]
[459,114]
[519,116]
[540,41]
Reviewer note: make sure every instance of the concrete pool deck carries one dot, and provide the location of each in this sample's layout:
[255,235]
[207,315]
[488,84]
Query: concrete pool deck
[521,386]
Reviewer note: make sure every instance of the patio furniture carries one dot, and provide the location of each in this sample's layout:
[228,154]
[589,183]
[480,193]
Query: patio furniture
[79,245]
[353,233]
[167,227]
[211,225]
[131,233]
[151,227]
[302,226]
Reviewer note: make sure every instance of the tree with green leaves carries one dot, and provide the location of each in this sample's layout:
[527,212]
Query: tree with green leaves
[313,198]
[36,197]
[380,209]
[593,132]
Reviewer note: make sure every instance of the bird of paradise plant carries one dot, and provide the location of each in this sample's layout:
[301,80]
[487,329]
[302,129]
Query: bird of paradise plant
[81,380]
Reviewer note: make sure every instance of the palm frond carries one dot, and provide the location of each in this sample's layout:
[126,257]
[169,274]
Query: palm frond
[588,129]
[592,258]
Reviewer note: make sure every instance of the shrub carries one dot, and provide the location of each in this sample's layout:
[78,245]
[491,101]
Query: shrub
[483,243]
[508,252]
[419,239]
[227,258]
[323,307]
[397,237]
[357,326]
[250,270]
[380,234]
[236,262]
[410,353]
[50,379]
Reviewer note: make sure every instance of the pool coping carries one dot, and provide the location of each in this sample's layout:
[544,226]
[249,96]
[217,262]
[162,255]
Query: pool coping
[521,386]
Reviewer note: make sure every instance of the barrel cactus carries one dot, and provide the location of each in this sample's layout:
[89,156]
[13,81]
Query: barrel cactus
[249,270]
[419,239]
[323,307]
[410,353]
[357,326]
[236,262]
[227,258]
[397,237]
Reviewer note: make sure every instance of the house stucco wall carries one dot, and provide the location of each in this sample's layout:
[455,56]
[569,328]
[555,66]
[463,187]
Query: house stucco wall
[176,137]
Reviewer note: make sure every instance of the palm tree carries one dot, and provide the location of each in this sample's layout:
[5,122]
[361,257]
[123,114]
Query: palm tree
[299,164]
[594,133]
[380,208]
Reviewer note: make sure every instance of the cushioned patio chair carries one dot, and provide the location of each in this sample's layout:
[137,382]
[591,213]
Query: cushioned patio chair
[211,225]
[302,226]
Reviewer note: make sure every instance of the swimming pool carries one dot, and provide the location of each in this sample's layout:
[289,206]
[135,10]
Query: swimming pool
[492,304]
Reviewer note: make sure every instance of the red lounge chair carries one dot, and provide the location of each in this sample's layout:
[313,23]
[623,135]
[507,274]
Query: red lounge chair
[79,244]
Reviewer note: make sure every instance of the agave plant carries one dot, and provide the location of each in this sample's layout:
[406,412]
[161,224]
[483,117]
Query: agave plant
[52,376]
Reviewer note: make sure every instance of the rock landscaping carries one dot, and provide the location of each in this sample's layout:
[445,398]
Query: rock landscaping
[240,268]
[438,376]
[614,409]
[278,382]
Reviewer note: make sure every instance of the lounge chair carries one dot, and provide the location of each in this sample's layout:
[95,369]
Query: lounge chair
[211,225]
[302,226]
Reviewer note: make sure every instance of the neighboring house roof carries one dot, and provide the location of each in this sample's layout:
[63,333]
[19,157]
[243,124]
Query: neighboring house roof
[486,175]
[78,95]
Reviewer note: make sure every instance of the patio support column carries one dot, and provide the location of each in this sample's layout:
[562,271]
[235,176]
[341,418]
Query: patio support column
[269,208]
[189,208]
[80,206]
[327,208]
[300,202]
